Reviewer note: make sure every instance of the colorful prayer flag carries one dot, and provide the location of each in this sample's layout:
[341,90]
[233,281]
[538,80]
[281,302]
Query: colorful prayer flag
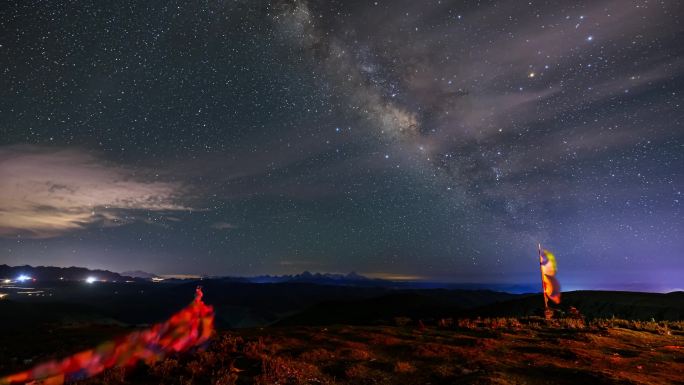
[190,327]
[547,263]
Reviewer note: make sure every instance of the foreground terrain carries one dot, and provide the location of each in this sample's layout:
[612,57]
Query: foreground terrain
[488,351]
[298,333]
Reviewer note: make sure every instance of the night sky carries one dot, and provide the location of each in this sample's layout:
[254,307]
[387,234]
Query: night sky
[438,140]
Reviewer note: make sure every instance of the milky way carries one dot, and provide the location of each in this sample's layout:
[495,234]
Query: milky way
[433,139]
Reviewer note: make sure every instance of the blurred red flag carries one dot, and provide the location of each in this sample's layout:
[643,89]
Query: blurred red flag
[190,327]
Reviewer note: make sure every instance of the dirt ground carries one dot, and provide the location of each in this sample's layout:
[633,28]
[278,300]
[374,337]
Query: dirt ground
[499,351]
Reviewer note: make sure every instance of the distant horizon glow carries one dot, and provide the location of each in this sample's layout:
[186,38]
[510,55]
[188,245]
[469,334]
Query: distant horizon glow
[528,283]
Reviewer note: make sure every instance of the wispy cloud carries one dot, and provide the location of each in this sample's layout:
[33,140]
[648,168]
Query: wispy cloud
[223,226]
[47,192]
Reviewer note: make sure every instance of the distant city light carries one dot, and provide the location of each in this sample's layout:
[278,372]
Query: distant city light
[91,279]
[7,281]
[23,278]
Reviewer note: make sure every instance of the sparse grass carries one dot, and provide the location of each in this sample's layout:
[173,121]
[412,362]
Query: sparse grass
[357,371]
[404,367]
[659,327]
[282,370]
[487,350]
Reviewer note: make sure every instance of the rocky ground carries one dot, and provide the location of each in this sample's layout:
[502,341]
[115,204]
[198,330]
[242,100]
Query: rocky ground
[489,351]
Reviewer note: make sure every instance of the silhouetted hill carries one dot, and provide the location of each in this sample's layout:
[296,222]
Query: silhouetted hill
[433,304]
[416,304]
[52,273]
[351,279]
[237,304]
[22,315]
[354,279]
[241,304]
[595,304]
[139,274]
